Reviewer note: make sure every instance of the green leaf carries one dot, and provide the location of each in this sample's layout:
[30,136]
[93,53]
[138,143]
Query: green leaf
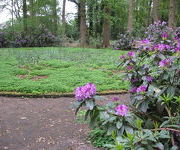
[164,134]
[128,129]
[90,104]
[160,146]
[119,124]
[144,106]
[121,131]
[110,130]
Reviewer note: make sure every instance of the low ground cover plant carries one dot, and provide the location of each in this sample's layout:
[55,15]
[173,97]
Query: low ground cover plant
[58,70]
[152,118]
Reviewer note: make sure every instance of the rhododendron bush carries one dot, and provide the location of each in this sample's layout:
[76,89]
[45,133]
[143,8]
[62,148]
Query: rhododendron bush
[152,118]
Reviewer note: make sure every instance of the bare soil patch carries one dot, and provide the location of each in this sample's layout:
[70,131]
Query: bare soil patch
[36,78]
[22,76]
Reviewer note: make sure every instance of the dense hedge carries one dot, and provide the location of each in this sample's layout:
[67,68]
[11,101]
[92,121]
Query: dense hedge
[37,38]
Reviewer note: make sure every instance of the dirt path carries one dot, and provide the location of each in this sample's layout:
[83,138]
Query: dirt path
[40,124]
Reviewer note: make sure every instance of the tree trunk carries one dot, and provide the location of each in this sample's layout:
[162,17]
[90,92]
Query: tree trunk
[54,15]
[64,12]
[83,26]
[25,15]
[172,8]
[91,17]
[106,27]
[149,19]
[31,10]
[130,16]
[155,11]
[64,18]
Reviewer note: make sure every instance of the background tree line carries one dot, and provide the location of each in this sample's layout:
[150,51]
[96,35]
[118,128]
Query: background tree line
[95,20]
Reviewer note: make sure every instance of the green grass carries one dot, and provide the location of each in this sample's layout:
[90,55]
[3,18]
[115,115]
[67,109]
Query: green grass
[47,70]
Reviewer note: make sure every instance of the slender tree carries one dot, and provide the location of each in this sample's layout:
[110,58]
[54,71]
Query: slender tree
[25,15]
[64,18]
[130,15]
[172,8]
[106,26]
[64,12]
[31,8]
[155,10]
[54,16]
[83,26]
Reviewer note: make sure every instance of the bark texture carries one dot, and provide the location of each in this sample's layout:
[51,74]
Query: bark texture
[55,17]
[172,8]
[83,26]
[155,11]
[106,27]
[25,15]
[130,15]
[64,12]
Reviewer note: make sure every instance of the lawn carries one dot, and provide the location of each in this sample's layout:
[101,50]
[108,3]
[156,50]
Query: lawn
[58,70]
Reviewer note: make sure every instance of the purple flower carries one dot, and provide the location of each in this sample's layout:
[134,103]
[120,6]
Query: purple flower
[133,90]
[149,78]
[141,88]
[177,39]
[164,35]
[145,44]
[177,49]
[122,57]
[145,41]
[131,54]
[121,110]
[129,68]
[115,98]
[165,62]
[161,47]
[134,80]
[79,93]
[85,92]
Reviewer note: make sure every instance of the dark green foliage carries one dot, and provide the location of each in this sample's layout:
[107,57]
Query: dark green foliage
[125,42]
[99,138]
[153,117]
[39,37]
[4,42]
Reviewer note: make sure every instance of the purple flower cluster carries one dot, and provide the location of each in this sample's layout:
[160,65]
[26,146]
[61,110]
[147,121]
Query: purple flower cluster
[149,78]
[131,54]
[133,90]
[129,68]
[164,35]
[144,44]
[122,57]
[161,47]
[121,110]
[141,89]
[177,49]
[165,62]
[85,92]
[133,80]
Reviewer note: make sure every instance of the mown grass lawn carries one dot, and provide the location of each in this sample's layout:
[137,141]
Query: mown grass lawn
[60,70]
